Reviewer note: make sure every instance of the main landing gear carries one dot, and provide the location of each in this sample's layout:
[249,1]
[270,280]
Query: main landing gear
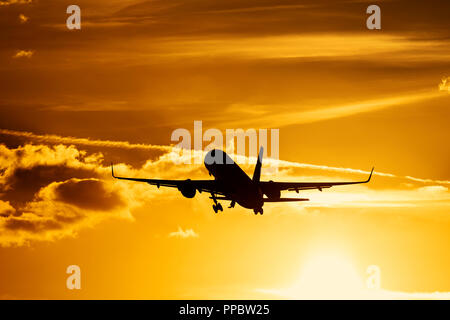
[216,206]
[258,210]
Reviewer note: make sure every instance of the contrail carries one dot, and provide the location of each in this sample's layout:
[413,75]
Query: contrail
[51,138]
[282,163]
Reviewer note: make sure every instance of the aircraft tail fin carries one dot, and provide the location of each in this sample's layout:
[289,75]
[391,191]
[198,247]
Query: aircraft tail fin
[257,172]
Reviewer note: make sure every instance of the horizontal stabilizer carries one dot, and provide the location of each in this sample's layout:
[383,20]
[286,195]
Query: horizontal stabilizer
[285,199]
[268,200]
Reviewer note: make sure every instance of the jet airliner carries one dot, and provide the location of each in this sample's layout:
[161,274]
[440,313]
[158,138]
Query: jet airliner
[232,184]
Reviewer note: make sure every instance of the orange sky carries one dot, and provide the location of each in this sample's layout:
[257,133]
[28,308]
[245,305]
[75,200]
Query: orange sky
[344,98]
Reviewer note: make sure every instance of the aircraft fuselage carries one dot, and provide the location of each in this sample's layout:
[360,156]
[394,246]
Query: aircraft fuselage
[236,183]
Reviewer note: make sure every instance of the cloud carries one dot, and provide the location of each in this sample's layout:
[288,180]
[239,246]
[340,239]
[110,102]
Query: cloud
[321,45]
[363,197]
[52,191]
[88,194]
[23,18]
[427,180]
[54,214]
[445,84]
[183,234]
[282,119]
[50,138]
[23,183]
[23,54]
[6,209]
[10,2]
[173,155]
[273,17]
[433,189]
[26,169]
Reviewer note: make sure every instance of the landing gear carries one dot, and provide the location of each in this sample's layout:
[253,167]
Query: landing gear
[217,207]
[232,204]
[259,210]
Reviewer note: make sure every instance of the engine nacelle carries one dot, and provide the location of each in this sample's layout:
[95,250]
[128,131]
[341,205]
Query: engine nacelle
[271,192]
[187,189]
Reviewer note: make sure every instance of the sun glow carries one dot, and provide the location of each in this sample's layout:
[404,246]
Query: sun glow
[328,276]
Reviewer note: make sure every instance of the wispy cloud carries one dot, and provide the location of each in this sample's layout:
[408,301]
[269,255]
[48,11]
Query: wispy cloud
[362,197]
[10,2]
[183,234]
[302,46]
[333,112]
[260,8]
[23,18]
[23,54]
[427,180]
[445,84]
[174,156]
[50,138]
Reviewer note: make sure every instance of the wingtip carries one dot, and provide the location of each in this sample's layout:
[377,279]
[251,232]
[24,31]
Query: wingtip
[371,172]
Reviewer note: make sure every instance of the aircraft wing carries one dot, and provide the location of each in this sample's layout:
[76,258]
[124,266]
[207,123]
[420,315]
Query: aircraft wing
[200,185]
[296,186]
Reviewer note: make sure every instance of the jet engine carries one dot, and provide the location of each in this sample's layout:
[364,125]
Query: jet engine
[187,189]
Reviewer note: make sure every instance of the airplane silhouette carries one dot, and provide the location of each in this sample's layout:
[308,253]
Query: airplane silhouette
[231,183]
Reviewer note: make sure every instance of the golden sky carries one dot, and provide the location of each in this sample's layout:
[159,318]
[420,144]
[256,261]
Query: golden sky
[345,98]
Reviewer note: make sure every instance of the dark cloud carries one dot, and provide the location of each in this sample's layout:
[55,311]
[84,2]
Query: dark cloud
[250,17]
[6,209]
[88,194]
[137,158]
[84,194]
[17,224]
[49,192]
[103,21]
[25,182]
